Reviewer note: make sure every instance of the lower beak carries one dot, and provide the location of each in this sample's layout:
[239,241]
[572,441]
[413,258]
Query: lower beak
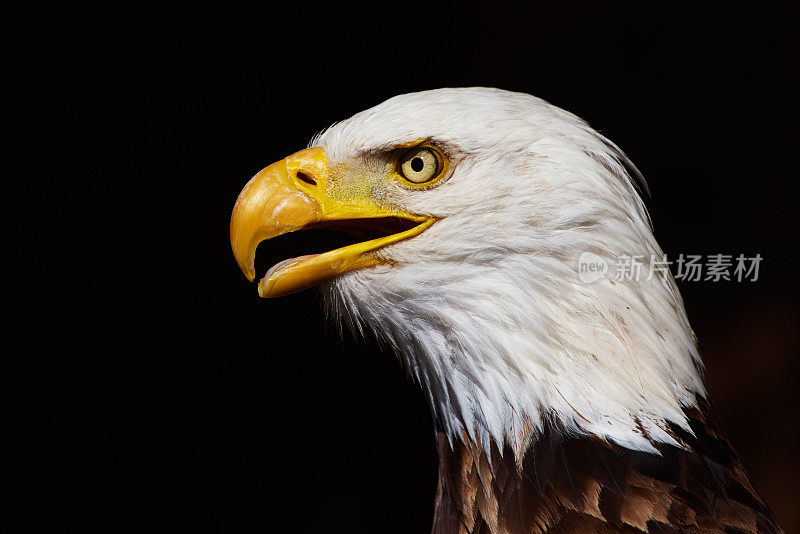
[293,194]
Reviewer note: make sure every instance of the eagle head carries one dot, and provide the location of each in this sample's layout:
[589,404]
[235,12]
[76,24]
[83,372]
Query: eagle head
[473,207]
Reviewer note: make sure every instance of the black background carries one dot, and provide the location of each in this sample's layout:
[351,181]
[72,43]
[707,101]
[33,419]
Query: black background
[150,390]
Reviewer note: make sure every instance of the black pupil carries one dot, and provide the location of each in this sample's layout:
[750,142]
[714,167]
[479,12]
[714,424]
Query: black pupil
[417,164]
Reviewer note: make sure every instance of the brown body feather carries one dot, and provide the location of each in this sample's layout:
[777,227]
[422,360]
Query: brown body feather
[569,484]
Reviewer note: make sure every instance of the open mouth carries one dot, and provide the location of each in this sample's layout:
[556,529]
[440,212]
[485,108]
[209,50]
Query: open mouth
[346,245]
[278,252]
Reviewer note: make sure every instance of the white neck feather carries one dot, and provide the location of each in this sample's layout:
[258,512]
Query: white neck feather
[608,360]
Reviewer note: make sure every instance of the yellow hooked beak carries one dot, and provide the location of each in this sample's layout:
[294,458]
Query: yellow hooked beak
[295,193]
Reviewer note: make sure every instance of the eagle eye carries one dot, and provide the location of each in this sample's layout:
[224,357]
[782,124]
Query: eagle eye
[420,165]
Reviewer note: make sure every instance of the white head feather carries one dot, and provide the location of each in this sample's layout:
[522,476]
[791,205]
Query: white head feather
[486,307]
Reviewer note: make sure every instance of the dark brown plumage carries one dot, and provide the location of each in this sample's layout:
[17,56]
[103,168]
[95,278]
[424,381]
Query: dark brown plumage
[571,484]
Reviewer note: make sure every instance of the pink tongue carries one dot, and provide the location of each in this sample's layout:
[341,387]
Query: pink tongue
[285,263]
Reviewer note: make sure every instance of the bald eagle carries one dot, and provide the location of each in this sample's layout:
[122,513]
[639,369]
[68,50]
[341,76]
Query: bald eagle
[559,405]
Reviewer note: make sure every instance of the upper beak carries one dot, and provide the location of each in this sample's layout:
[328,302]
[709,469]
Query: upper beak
[292,194]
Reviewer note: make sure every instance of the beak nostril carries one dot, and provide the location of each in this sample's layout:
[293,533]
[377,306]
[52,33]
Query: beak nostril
[303,177]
